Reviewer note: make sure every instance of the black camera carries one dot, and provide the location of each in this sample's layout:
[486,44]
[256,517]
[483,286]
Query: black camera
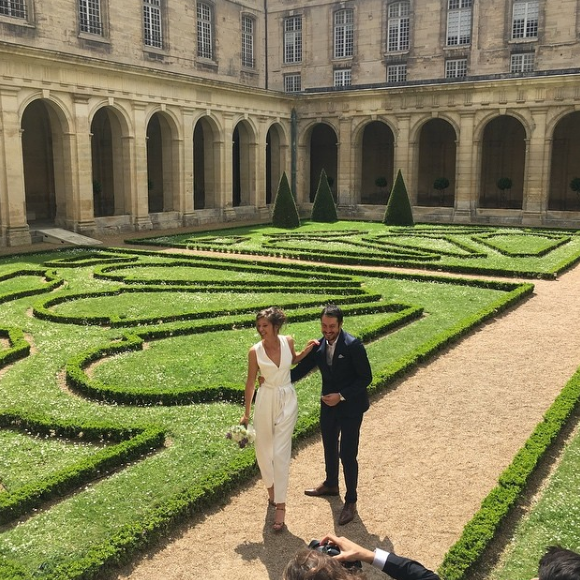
[332,550]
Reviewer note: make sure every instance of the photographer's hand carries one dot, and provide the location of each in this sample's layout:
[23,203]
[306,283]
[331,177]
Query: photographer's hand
[349,551]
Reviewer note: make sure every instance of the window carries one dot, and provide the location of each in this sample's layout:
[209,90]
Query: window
[343,33]
[342,77]
[459,22]
[14,8]
[521,63]
[292,83]
[398,27]
[204,31]
[397,73]
[525,20]
[152,23]
[293,39]
[247,42]
[456,69]
[90,16]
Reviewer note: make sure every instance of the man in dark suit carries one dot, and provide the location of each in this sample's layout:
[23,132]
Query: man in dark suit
[346,374]
[395,566]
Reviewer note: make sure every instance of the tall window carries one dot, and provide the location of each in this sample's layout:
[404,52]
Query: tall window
[456,69]
[14,8]
[397,73]
[525,20]
[152,23]
[343,33]
[247,42]
[204,31]
[90,16]
[521,63]
[293,39]
[292,83]
[398,27]
[342,78]
[459,22]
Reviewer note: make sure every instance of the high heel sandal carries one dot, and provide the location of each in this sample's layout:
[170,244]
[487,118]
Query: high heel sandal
[279,526]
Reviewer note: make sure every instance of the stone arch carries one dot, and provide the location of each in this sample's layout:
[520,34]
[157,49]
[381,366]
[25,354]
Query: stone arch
[163,168]
[111,158]
[503,154]
[276,161]
[207,156]
[565,163]
[375,156]
[437,159]
[46,156]
[323,154]
[243,163]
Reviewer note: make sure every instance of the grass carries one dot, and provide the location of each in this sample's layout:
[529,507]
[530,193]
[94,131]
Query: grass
[553,520]
[207,306]
[503,251]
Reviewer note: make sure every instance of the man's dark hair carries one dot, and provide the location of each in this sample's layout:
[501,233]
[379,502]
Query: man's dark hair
[559,564]
[334,311]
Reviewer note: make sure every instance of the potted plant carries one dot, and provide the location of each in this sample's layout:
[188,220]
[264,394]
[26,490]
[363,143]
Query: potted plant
[440,184]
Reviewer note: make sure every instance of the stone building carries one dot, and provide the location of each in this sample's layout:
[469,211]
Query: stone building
[143,114]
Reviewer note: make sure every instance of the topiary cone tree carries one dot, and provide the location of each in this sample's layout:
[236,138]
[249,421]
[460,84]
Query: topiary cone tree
[398,212]
[285,213]
[323,208]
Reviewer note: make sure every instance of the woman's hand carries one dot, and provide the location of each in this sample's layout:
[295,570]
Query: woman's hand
[244,420]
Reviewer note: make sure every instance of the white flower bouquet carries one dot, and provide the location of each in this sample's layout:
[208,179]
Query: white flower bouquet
[242,435]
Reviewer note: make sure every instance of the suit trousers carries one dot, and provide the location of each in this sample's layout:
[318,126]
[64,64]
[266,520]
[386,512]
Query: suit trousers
[275,415]
[340,439]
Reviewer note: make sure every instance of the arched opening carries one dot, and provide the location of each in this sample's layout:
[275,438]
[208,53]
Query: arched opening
[437,150]
[502,164]
[162,172]
[243,171]
[275,161]
[109,168]
[323,155]
[377,163]
[206,163]
[39,147]
[565,165]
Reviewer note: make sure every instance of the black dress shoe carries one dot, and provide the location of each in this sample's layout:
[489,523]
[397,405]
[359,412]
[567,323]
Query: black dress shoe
[347,514]
[321,490]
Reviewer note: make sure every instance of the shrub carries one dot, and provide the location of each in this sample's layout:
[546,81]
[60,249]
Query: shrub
[441,183]
[285,212]
[398,212]
[324,208]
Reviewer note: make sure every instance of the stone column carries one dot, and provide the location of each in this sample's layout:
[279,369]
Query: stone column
[536,172]
[137,168]
[345,178]
[225,187]
[82,169]
[403,157]
[12,191]
[465,172]
[186,197]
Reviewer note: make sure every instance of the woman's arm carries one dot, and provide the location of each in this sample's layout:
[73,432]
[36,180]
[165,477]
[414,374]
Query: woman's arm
[250,385]
[298,357]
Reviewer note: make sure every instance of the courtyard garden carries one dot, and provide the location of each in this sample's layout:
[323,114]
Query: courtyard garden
[122,369]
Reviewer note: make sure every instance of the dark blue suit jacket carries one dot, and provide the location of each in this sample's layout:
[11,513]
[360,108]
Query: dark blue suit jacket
[401,568]
[350,373]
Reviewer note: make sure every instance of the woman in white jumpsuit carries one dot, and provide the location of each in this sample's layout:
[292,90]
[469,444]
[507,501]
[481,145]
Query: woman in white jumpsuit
[276,407]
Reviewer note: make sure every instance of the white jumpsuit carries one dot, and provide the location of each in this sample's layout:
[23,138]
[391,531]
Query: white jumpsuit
[275,414]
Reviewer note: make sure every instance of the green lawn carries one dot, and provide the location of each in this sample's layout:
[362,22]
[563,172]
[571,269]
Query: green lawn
[195,317]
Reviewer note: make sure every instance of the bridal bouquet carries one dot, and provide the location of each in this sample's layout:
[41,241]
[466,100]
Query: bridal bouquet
[241,435]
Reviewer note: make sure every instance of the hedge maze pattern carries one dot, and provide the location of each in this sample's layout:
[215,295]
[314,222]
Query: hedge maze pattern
[79,315]
[452,248]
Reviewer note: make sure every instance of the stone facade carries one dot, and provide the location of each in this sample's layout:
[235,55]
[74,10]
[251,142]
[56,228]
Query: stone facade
[149,114]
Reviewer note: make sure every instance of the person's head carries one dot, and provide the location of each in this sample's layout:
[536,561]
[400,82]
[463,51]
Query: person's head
[272,316]
[310,564]
[559,564]
[331,319]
